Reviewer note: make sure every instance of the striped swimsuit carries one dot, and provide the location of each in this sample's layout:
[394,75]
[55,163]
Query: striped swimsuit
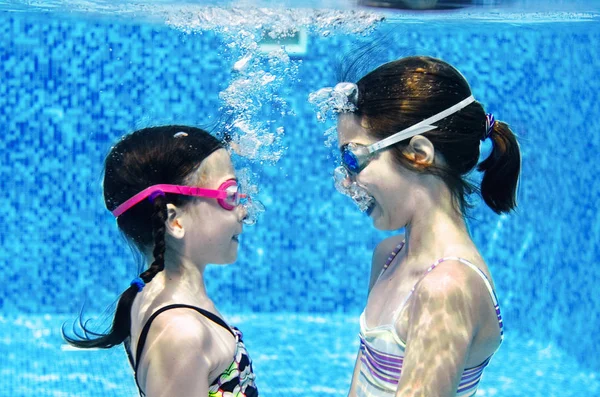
[383,349]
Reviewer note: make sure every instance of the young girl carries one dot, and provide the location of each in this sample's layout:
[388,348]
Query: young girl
[174,193]
[409,133]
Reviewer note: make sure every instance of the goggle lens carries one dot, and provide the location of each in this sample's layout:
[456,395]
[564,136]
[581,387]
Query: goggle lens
[234,196]
[350,160]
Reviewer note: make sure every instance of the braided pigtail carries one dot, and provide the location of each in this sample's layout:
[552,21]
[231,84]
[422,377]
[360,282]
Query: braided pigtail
[159,217]
[121,326]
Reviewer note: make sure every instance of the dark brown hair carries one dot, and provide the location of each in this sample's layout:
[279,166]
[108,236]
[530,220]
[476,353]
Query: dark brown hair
[401,93]
[146,157]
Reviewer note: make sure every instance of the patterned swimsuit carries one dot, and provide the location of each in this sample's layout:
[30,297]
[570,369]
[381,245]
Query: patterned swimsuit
[236,381]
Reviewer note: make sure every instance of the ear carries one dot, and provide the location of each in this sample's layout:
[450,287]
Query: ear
[420,150]
[173,224]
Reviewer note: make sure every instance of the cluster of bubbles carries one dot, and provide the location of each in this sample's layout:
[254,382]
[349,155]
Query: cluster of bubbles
[343,184]
[253,207]
[255,96]
[328,103]
[254,99]
[276,22]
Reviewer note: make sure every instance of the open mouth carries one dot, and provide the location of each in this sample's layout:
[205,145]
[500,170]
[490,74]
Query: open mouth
[370,208]
[236,238]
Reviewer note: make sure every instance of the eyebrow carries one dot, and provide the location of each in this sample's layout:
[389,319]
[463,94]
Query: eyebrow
[220,182]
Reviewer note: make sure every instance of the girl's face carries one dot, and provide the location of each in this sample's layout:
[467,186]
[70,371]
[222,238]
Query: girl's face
[385,180]
[212,232]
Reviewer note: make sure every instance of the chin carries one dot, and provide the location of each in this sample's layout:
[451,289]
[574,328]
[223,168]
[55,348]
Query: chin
[230,253]
[227,259]
[379,225]
[231,258]
[385,224]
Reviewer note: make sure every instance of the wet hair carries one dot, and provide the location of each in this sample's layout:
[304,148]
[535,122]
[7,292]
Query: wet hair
[167,154]
[404,92]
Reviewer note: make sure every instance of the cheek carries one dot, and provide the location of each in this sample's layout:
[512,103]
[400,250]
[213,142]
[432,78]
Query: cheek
[201,219]
[377,177]
[385,183]
[212,221]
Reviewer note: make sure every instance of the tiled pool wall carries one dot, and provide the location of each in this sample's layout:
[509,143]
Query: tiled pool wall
[69,88]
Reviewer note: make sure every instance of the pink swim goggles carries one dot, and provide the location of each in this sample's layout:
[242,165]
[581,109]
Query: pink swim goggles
[229,195]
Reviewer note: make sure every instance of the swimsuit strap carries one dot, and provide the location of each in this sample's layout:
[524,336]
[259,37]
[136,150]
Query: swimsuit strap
[390,258]
[472,266]
[144,334]
[401,306]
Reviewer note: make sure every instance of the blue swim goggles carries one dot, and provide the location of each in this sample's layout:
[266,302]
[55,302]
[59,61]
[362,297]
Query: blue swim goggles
[355,157]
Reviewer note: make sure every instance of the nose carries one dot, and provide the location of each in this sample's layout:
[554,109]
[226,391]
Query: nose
[343,177]
[242,212]
[348,180]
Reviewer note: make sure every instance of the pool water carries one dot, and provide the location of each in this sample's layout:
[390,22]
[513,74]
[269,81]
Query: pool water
[75,76]
[293,355]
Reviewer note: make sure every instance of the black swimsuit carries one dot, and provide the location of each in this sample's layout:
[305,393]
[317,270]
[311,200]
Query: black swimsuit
[238,378]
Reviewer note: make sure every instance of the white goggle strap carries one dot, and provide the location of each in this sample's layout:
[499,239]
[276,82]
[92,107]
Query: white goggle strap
[421,127]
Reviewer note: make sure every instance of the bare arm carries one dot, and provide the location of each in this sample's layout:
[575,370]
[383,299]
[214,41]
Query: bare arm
[355,375]
[442,325]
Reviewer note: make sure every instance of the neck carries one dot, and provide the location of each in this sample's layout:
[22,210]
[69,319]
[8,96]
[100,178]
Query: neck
[437,230]
[181,282]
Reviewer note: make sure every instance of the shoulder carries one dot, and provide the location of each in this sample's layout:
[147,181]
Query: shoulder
[180,354]
[179,331]
[451,287]
[380,255]
[441,329]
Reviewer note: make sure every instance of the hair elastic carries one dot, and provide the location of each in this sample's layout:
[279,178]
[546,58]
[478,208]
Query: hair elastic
[489,125]
[154,195]
[139,283]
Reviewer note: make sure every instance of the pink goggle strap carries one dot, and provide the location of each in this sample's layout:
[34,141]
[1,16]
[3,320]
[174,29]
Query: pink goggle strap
[220,194]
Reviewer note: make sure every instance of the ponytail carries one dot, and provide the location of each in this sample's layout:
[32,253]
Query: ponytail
[501,170]
[121,326]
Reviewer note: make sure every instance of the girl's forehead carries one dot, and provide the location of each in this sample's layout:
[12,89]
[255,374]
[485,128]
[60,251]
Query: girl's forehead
[216,168]
[220,159]
[350,129]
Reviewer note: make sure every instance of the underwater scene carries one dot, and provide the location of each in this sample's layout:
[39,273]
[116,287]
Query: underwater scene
[77,75]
